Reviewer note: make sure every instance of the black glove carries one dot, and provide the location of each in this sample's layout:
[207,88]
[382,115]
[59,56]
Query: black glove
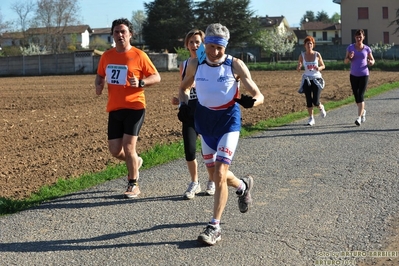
[246,101]
[184,113]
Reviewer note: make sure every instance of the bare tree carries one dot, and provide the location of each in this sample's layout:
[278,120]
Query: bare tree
[66,12]
[23,9]
[138,18]
[55,16]
[3,24]
[395,21]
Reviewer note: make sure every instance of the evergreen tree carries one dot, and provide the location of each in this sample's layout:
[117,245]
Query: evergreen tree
[308,17]
[234,14]
[322,16]
[168,21]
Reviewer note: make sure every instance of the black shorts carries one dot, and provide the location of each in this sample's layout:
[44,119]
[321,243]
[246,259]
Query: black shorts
[125,121]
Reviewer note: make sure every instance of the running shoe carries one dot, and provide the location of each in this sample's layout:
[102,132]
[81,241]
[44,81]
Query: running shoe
[210,188]
[358,121]
[193,189]
[211,235]
[322,111]
[245,199]
[311,121]
[133,190]
[363,119]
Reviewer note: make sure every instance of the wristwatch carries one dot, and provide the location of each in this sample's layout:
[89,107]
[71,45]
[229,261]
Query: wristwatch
[141,83]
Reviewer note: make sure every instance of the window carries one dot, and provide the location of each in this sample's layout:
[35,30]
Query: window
[363,13]
[386,36]
[385,12]
[314,34]
[324,36]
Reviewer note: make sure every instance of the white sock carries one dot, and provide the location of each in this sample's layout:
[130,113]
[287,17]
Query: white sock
[215,222]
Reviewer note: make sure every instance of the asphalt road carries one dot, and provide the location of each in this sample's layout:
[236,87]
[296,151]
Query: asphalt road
[319,192]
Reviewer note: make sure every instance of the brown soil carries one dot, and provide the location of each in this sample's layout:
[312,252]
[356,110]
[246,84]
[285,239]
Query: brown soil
[55,127]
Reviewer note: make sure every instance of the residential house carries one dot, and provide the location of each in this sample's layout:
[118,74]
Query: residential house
[279,24]
[300,35]
[11,38]
[79,35]
[103,34]
[372,16]
[276,24]
[323,33]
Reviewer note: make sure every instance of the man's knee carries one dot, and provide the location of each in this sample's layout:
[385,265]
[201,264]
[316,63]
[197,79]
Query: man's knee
[115,150]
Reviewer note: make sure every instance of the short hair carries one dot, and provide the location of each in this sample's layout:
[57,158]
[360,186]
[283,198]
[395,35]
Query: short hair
[309,39]
[217,29]
[121,21]
[359,32]
[191,33]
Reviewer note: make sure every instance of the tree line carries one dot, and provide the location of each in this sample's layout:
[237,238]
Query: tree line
[163,24]
[166,22]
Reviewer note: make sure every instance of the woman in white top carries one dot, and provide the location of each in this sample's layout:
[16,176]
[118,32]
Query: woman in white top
[312,82]
[194,38]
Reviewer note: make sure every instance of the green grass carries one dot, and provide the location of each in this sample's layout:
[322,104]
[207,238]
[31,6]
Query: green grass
[160,154]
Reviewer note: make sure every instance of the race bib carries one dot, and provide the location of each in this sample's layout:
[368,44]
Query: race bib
[116,74]
[193,94]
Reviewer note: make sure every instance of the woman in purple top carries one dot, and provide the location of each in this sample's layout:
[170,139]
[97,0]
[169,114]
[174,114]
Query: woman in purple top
[360,57]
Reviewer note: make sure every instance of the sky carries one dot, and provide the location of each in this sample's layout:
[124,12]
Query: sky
[101,13]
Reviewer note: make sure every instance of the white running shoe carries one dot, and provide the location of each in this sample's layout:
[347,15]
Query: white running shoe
[358,121]
[311,121]
[210,188]
[192,190]
[363,116]
[322,111]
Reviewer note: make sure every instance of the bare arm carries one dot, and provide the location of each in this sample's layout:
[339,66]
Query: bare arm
[300,60]
[242,72]
[99,84]
[188,81]
[175,100]
[152,79]
[370,59]
[321,63]
[148,81]
[348,57]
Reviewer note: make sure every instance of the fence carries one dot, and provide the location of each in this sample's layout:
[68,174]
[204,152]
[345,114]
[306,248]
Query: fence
[328,52]
[84,62]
